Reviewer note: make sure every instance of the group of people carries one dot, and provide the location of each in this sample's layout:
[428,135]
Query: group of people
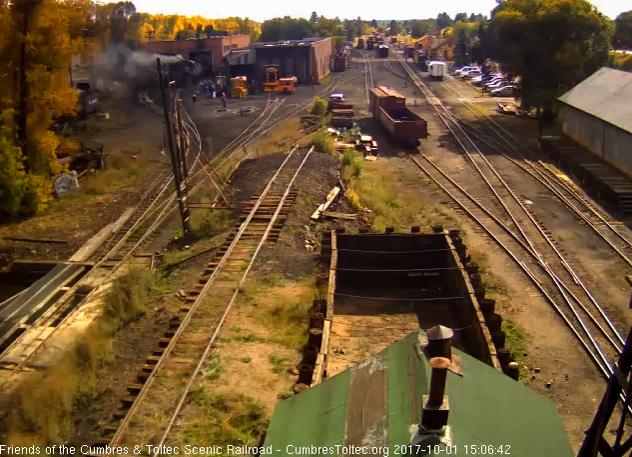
[211,91]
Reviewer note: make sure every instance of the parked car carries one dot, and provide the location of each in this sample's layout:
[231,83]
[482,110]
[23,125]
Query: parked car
[488,78]
[464,69]
[492,81]
[505,91]
[495,85]
[471,74]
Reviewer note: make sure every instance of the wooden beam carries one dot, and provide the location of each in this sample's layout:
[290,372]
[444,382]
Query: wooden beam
[97,240]
[335,215]
[34,240]
[328,201]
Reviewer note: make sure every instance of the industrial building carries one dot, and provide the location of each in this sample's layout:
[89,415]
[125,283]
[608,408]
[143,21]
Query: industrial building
[308,59]
[436,47]
[598,116]
[208,52]
[595,146]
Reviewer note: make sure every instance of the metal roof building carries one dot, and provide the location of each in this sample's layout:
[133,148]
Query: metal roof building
[379,404]
[598,115]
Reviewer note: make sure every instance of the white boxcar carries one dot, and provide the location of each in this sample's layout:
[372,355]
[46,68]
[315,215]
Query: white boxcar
[437,69]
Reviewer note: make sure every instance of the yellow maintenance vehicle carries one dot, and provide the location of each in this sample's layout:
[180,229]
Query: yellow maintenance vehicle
[239,87]
[275,84]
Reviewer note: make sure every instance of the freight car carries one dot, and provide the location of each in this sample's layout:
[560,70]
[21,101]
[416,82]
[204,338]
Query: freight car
[437,69]
[389,108]
[408,52]
[360,43]
[339,62]
[382,50]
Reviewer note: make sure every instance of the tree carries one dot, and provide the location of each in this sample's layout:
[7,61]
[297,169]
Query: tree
[443,20]
[395,28]
[374,24]
[419,28]
[313,18]
[209,30]
[34,89]
[286,28]
[550,45]
[460,17]
[461,50]
[622,38]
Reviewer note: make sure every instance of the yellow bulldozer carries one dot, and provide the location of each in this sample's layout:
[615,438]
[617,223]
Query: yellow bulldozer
[275,84]
[239,87]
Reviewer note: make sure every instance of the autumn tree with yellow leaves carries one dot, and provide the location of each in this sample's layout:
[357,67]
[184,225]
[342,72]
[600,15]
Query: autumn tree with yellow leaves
[37,41]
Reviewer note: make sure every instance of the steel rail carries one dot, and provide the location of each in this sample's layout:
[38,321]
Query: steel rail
[537,283]
[425,92]
[230,304]
[152,376]
[528,157]
[569,268]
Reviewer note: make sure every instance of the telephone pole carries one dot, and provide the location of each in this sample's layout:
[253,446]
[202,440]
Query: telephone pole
[176,162]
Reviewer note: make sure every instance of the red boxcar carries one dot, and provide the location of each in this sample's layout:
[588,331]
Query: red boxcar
[388,107]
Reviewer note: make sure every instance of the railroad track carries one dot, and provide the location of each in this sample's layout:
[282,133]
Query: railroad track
[154,207]
[505,218]
[144,220]
[149,413]
[501,141]
[368,78]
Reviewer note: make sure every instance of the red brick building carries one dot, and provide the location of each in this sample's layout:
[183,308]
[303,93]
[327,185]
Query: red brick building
[208,52]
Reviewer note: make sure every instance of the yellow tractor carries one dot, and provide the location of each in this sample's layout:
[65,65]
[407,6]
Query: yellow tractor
[239,87]
[275,84]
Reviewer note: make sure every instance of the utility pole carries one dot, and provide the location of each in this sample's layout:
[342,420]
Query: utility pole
[175,159]
[182,142]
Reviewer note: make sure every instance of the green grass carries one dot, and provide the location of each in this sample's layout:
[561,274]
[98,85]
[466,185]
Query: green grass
[236,328]
[225,418]
[246,359]
[352,164]
[210,223]
[276,359]
[214,369]
[277,362]
[515,340]
[285,395]
[319,107]
[248,338]
[128,297]
[323,142]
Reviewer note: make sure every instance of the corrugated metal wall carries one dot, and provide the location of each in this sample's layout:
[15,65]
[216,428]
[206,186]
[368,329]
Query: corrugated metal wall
[605,140]
[618,148]
[585,129]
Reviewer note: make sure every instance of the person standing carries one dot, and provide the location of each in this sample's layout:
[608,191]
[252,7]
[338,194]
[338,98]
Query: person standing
[224,99]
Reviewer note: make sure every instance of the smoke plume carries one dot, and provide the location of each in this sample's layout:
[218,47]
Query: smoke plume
[121,63]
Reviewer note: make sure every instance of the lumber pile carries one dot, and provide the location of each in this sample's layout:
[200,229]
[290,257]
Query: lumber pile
[328,201]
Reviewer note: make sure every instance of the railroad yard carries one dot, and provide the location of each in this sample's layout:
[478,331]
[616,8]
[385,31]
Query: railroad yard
[224,336]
